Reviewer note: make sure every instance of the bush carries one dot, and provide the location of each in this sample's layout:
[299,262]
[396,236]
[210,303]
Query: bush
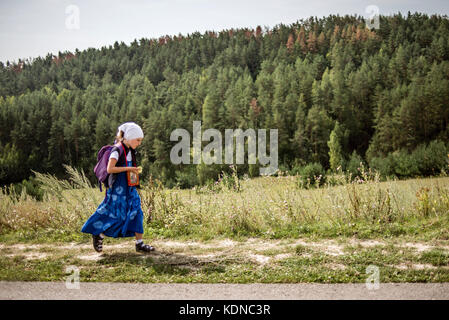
[423,161]
[295,171]
[296,167]
[354,165]
[30,186]
[405,165]
[187,178]
[385,166]
[431,159]
[312,175]
[207,173]
[282,170]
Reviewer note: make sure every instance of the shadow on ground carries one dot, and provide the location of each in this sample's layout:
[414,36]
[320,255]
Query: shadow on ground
[164,262]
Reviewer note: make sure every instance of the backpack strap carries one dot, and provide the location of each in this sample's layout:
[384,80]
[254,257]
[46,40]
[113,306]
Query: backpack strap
[121,148]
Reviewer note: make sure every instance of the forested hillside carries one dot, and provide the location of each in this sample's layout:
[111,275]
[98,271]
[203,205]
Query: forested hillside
[338,93]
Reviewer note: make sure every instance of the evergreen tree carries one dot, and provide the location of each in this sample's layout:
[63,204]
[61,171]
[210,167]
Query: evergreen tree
[335,150]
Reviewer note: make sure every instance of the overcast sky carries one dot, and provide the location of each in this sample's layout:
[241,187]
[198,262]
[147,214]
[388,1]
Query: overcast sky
[31,28]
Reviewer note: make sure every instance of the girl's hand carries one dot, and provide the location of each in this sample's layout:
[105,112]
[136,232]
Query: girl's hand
[136,170]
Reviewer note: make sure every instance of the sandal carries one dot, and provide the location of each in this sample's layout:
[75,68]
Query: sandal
[144,247]
[98,242]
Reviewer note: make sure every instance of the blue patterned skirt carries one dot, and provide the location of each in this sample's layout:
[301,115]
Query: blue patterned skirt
[120,214]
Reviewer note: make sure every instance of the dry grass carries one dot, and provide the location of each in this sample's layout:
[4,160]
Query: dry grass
[265,206]
[66,204]
[268,204]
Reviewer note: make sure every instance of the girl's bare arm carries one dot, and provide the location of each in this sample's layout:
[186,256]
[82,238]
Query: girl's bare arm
[113,169]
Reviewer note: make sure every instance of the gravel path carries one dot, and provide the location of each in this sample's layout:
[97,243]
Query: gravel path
[162,291]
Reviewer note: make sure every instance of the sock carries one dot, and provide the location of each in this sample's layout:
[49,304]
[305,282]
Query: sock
[139,241]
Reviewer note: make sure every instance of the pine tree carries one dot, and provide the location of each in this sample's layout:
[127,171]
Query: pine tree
[290,42]
[318,128]
[210,110]
[335,150]
[300,139]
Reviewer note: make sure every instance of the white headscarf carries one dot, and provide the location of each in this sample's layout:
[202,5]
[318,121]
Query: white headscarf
[131,130]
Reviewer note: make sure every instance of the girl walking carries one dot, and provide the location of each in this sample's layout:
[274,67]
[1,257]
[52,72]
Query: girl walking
[120,214]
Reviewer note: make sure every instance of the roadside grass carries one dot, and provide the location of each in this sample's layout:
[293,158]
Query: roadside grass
[436,257]
[271,261]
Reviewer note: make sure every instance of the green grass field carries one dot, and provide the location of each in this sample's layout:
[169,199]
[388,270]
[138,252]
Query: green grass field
[264,230]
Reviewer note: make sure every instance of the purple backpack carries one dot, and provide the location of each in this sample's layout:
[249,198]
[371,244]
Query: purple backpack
[102,163]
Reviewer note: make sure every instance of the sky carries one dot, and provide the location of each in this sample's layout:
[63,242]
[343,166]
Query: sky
[32,28]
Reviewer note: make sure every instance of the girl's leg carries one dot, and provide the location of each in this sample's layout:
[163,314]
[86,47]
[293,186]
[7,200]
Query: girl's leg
[98,242]
[140,246]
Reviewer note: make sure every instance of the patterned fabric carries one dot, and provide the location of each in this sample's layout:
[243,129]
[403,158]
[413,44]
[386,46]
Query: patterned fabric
[120,214]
